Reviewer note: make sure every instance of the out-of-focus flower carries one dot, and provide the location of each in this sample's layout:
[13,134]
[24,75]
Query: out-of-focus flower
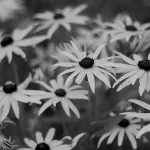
[84,64]
[145,116]
[38,74]
[72,142]
[14,43]
[126,126]
[134,69]
[45,144]
[10,94]
[6,144]
[10,8]
[63,92]
[52,21]
[124,27]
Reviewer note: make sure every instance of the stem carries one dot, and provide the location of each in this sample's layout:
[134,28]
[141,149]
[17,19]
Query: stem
[21,118]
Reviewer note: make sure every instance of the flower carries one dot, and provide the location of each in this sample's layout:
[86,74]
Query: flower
[64,18]
[38,74]
[72,142]
[128,126]
[124,27]
[134,69]
[145,116]
[10,8]
[6,144]
[11,93]
[12,43]
[84,64]
[62,92]
[45,144]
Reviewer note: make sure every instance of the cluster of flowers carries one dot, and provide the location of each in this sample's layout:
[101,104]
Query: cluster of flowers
[83,66]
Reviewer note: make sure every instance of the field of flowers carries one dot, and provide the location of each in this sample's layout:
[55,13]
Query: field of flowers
[74,75]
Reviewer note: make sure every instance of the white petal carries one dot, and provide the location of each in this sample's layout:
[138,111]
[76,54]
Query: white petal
[103,137]
[77,138]
[78,9]
[121,137]
[15,107]
[137,58]
[80,77]
[143,131]
[65,106]
[142,81]
[91,80]
[132,139]
[66,26]
[30,143]
[50,135]
[20,97]
[39,137]
[52,30]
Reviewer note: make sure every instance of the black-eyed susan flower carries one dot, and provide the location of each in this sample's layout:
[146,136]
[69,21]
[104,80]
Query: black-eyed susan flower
[84,64]
[53,20]
[62,92]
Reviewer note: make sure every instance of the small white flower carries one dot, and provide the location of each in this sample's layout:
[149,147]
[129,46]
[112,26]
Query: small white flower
[83,64]
[10,8]
[145,116]
[45,144]
[62,92]
[14,43]
[64,18]
[134,69]
[72,142]
[127,126]
[10,94]
[124,27]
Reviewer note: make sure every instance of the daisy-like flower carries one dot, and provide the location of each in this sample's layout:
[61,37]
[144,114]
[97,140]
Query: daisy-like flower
[52,21]
[10,8]
[72,142]
[14,43]
[84,64]
[145,116]
[62,92]
[45,144]
[11,94]
[134,69]
[124,27]
[127,126]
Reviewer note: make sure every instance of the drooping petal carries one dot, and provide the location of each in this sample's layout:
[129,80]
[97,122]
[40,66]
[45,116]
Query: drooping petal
[49,135]
[143,131]
[39,137]
[30,143]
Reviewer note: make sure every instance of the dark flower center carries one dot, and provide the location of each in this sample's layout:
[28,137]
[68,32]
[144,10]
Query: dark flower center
[42,146]
[124,123]
[9,87]
[7,40]
[144,64]
[60,92]
[58,16]
[131,28]
[86,63]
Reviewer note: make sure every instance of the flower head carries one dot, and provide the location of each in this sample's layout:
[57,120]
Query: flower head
[14,42]
[45,144]
[126,126]
[145,116]
[64,18]
[83,64]
[10,8]
[63,92]
[11,94]
[134,69]
[124,27]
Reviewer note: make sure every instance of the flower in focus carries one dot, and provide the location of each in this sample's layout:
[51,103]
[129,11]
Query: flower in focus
[62,92]
[134,69]
[10,8]
[84,64]
[124,27]
[11,93]
[45,144]
[72,142]
[126,126]
[13,43]
[6,144]
[145,116]
[64,18]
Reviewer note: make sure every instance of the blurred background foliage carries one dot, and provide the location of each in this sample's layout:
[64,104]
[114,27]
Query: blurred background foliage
[106,99]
